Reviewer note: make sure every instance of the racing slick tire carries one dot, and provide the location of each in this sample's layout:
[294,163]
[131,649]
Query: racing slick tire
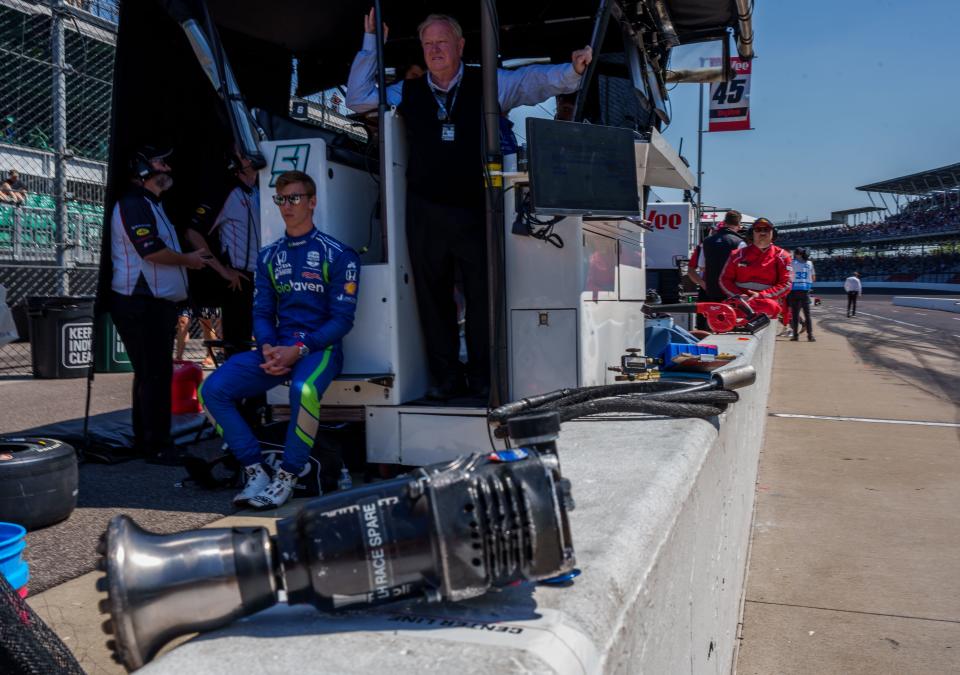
[38,481]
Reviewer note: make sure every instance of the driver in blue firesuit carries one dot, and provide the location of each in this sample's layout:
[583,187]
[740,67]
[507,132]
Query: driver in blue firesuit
[304,303]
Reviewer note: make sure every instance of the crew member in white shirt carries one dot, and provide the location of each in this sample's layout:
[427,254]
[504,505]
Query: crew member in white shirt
[854,289]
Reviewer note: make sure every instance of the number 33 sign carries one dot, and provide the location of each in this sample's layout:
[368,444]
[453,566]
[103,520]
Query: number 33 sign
[730,101]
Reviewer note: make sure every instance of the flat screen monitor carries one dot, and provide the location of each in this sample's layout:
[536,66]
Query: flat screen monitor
[582,169]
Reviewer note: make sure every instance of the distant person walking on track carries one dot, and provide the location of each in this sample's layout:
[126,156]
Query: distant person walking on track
[799,298]
[854,289]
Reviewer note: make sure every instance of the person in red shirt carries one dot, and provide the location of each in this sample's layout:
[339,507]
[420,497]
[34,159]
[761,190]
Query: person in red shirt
[760,270]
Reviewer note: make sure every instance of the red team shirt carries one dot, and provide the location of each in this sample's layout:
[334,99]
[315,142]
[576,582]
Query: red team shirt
[752,269]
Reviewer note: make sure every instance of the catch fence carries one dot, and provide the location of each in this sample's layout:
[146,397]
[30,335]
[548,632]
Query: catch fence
[56,93]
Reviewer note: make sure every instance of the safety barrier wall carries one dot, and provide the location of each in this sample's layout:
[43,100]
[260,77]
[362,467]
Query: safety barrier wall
[887,287]
[942,304]
[661,530]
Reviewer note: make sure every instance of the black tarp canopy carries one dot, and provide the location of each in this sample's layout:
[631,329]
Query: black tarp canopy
[324,36]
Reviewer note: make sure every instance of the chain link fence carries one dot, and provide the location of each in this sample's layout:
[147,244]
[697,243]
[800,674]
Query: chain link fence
[55,104]
[56,92]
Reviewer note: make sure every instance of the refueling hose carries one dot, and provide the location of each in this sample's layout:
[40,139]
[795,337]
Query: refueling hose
[669,398]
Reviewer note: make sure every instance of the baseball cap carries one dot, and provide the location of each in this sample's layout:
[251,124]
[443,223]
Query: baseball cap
[151,152]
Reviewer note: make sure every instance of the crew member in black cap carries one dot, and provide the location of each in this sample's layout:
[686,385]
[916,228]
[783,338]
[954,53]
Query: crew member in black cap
[149,279]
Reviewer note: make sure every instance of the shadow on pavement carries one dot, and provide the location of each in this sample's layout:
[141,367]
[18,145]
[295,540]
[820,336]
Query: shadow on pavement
[155,496]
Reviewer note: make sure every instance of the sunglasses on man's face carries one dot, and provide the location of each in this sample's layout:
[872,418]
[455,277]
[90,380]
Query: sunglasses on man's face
[293,199]
[763,229]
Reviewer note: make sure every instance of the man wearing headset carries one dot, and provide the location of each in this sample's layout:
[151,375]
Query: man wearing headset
[760,270]
[305,301]
[149,278]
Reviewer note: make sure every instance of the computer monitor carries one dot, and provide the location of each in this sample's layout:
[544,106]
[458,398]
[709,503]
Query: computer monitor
[582,169]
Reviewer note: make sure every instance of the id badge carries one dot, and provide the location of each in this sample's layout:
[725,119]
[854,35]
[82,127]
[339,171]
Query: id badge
[447,133]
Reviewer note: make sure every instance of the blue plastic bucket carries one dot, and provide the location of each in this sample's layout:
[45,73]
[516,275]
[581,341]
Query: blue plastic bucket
[12,566]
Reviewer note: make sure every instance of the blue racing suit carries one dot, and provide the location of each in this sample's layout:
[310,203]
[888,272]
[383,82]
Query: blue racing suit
[306,293]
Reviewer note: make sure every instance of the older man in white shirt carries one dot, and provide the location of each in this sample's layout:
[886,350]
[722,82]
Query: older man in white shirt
[854,289]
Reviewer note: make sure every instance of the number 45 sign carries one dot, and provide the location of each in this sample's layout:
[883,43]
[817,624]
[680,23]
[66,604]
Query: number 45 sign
[730,101]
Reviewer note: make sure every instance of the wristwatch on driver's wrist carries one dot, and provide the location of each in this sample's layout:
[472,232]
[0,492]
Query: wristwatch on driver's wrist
[302,349]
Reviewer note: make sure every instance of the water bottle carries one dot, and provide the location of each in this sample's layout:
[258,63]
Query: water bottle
[345,482]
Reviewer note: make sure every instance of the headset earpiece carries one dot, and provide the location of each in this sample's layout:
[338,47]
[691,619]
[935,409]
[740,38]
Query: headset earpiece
[140,166]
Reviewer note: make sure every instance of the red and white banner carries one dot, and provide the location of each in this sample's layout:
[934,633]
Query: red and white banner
[730,101]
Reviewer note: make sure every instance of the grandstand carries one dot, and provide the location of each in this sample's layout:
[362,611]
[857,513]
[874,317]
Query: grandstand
[28,232]
[914,237]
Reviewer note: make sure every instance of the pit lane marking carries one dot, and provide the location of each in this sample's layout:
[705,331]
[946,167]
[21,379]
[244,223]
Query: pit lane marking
[872,420]
[885,318]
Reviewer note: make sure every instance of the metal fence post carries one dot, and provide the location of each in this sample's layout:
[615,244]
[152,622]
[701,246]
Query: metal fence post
[17,235]
[58,53]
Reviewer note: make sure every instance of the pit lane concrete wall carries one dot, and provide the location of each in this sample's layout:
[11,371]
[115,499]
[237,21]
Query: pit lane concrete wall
[661,531]
[887,287]
[942,304]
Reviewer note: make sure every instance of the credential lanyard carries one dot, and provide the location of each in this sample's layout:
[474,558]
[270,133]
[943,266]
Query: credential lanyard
[442,113]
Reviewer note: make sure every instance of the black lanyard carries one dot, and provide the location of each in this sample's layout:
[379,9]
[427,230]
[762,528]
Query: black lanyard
[442,114]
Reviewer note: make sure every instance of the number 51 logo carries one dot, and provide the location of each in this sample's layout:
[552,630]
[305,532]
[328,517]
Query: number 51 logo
[289,158]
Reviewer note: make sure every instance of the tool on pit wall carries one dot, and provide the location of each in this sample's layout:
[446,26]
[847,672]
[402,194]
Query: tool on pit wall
[733,315]
[447,531]
[656,397]
[635,366]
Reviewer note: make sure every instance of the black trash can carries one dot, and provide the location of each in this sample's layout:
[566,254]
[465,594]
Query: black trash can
[61,336]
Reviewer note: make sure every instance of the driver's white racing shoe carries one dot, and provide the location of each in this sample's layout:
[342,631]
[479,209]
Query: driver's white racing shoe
[255,481]
[277,492]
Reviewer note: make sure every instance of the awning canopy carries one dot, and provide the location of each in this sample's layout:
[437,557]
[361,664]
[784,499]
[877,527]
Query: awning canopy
[830,222]
[662,165]
[840,215]
[932,181]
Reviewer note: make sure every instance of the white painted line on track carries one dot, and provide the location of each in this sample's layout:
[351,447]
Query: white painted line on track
[886,318]
[865,419]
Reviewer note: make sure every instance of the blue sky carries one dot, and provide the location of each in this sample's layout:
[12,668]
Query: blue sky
[844,93]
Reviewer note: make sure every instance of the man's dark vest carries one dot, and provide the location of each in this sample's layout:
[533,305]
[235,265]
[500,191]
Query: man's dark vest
[715,250]
[445,172]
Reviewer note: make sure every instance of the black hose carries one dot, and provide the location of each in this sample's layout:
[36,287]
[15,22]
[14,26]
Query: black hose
[611,405]
[698,404]
[652,397]
[577,394]
[721,397]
